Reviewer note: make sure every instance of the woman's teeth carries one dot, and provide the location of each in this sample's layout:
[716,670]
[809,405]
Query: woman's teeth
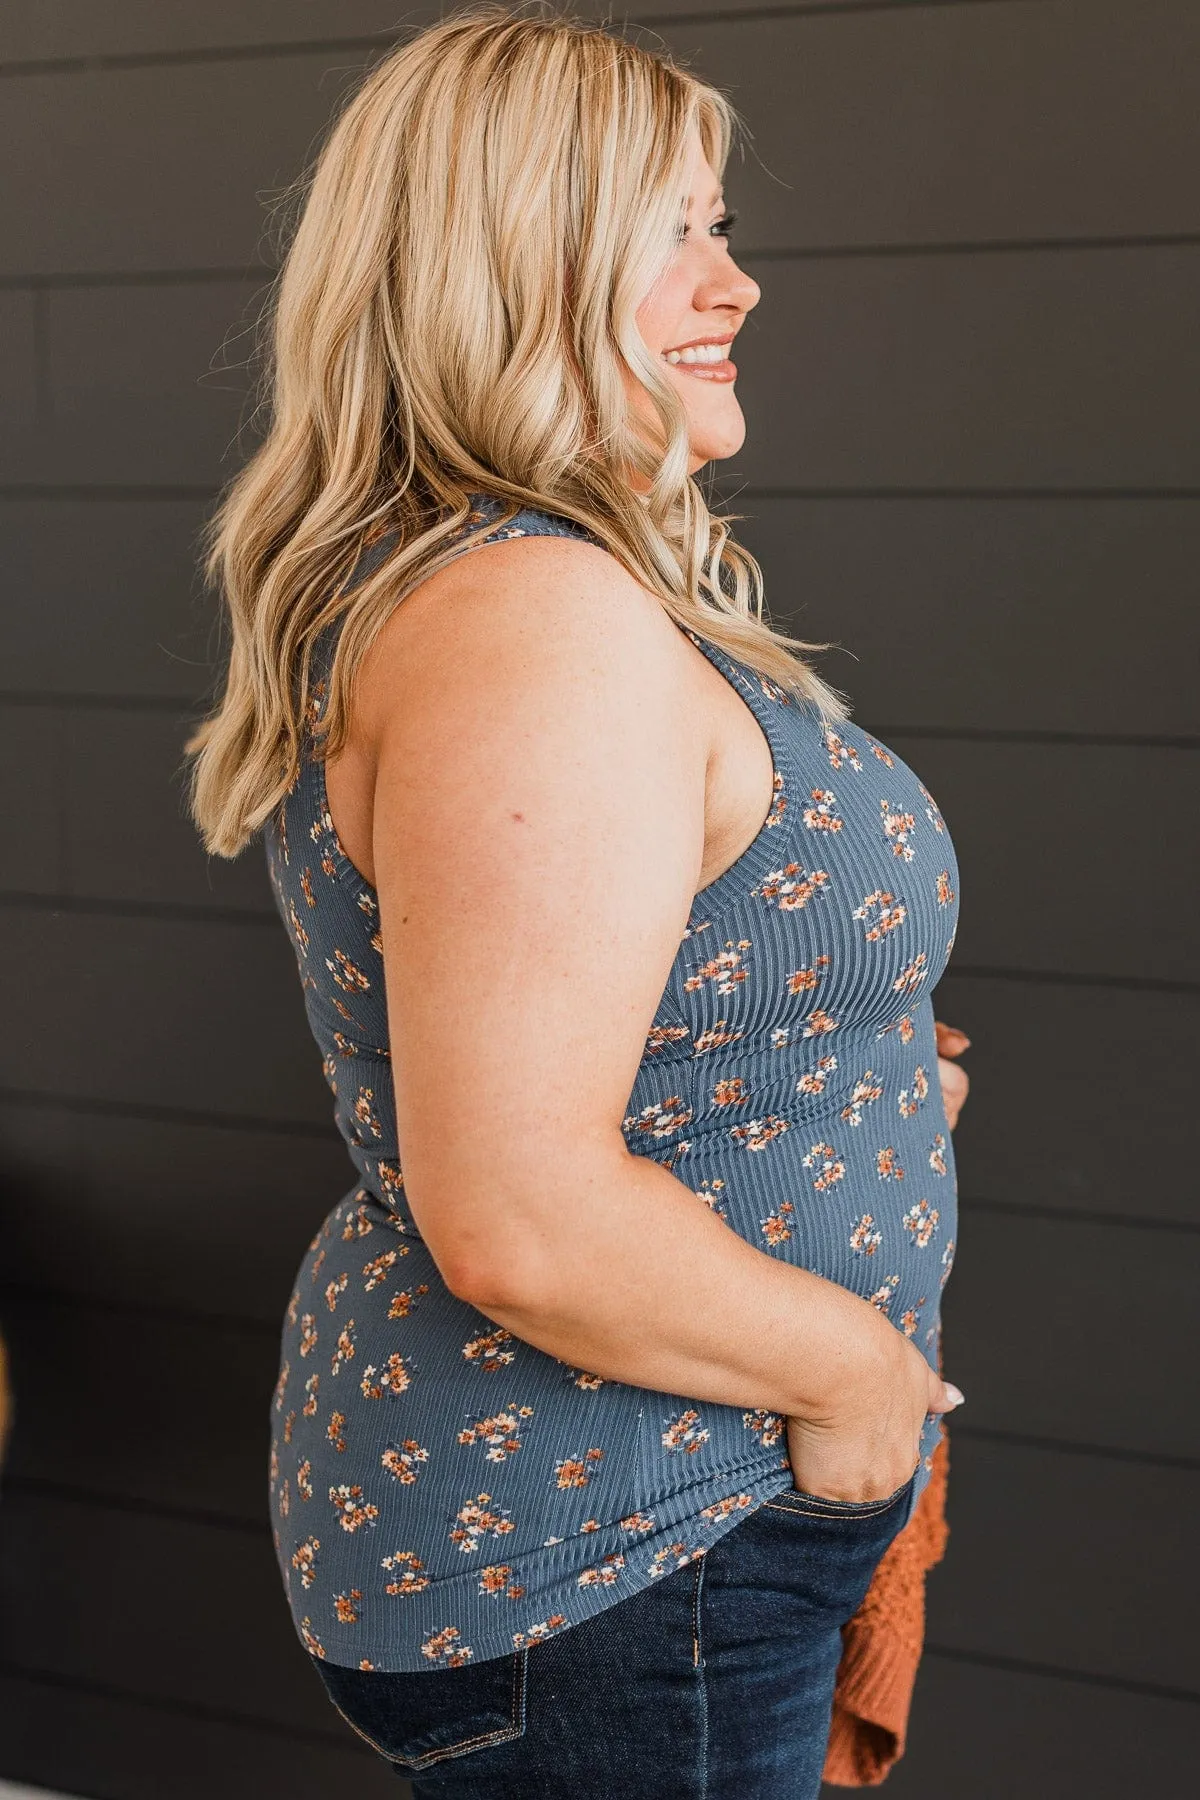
[699,353]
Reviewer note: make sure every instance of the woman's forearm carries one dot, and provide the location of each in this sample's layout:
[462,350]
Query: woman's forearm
[650,1287]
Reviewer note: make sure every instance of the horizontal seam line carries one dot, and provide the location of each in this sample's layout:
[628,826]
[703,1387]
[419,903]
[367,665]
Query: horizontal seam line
[138,59]
[184,1708]
[1081,1215]
[32,1293]
[183,705]
[100,1500]
[49,1100]
[1070,978]
[128,491]
[170,911]
[1108,1452]
[67,279]
[1089,1677]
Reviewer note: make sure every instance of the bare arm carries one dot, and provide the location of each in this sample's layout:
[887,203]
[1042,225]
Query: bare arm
[538,835]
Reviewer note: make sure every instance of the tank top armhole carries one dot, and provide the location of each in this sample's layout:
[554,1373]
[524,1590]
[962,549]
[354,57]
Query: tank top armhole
[771,848]
[774,845]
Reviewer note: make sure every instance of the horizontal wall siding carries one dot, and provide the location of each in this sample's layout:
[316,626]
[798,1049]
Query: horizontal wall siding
[164,999]
[1019,119]
[123,835]
[207,1594]
[122,1204]
[971,462]
[1073,370]
[1037,614]
[64,1731]
[1045,615]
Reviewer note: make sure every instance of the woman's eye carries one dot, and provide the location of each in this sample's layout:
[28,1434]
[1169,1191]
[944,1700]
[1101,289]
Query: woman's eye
[723,225]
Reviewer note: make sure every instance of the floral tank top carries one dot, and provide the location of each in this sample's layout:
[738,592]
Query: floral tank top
[443,1491]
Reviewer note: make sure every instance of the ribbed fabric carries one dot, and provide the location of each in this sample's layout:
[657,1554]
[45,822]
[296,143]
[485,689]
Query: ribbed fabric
[444,1491]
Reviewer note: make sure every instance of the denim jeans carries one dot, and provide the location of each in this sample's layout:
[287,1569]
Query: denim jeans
[714,1684]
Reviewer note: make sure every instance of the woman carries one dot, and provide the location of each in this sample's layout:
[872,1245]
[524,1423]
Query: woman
[609,1381]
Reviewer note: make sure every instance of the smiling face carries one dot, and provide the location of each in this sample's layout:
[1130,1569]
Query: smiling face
[690,318]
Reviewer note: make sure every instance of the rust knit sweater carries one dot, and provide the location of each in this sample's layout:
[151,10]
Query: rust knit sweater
[882,1644]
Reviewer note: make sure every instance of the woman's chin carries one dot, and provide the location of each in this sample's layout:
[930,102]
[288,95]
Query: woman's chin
[714,446]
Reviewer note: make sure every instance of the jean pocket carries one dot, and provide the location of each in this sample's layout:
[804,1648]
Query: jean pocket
[414,1719]
[798,1500]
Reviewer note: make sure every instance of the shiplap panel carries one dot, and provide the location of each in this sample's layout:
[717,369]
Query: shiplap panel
[206,1017]
[19,358]
[980,1733]
[1072,369]
[1064,865]
[110,1743]
[1016,120]
[127,832]
[1080,1097]
[203,1610]
[1037,1317]
[31,839]
[147,385]
[152,1205]
[1077,1091]
[959,124]
[191,1613]
[1041,834]
[201,1217]
[72,28]
[1003,615]
[1029,1337]
[1078,369]
[200,1413]
[1070,1561]
[106,597]
[949,613]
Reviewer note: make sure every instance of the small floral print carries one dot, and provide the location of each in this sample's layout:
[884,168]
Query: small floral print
[775,964]
[921,1219]
[832,1167]
[822,814]
[352,1510]
[789,888]
[898,829]
[909,1100]
[756,1134]
[865,1237]
[865,1090]
[882,913]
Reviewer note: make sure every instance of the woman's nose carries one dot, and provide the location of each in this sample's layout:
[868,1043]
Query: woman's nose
[730,286]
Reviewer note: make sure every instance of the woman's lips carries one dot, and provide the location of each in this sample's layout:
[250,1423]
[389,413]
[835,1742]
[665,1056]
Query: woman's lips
[721,371]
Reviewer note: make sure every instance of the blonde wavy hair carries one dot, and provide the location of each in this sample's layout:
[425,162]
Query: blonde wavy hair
[491,206]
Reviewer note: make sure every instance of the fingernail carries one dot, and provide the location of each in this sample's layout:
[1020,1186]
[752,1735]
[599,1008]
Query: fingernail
[955,1394]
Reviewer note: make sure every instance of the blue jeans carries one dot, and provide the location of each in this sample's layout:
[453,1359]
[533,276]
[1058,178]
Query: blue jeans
[714,1684]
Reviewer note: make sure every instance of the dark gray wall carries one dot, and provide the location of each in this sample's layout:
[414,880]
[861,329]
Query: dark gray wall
[972,391]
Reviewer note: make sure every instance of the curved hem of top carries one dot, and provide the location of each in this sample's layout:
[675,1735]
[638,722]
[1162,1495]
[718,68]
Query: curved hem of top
[600,1596]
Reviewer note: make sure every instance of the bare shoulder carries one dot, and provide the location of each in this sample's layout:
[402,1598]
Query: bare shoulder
[531,611]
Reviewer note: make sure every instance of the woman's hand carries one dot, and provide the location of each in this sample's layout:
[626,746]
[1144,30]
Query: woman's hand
[955,1081]
[869,1442]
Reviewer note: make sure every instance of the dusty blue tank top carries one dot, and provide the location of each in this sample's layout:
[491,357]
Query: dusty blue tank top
[443,1491]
